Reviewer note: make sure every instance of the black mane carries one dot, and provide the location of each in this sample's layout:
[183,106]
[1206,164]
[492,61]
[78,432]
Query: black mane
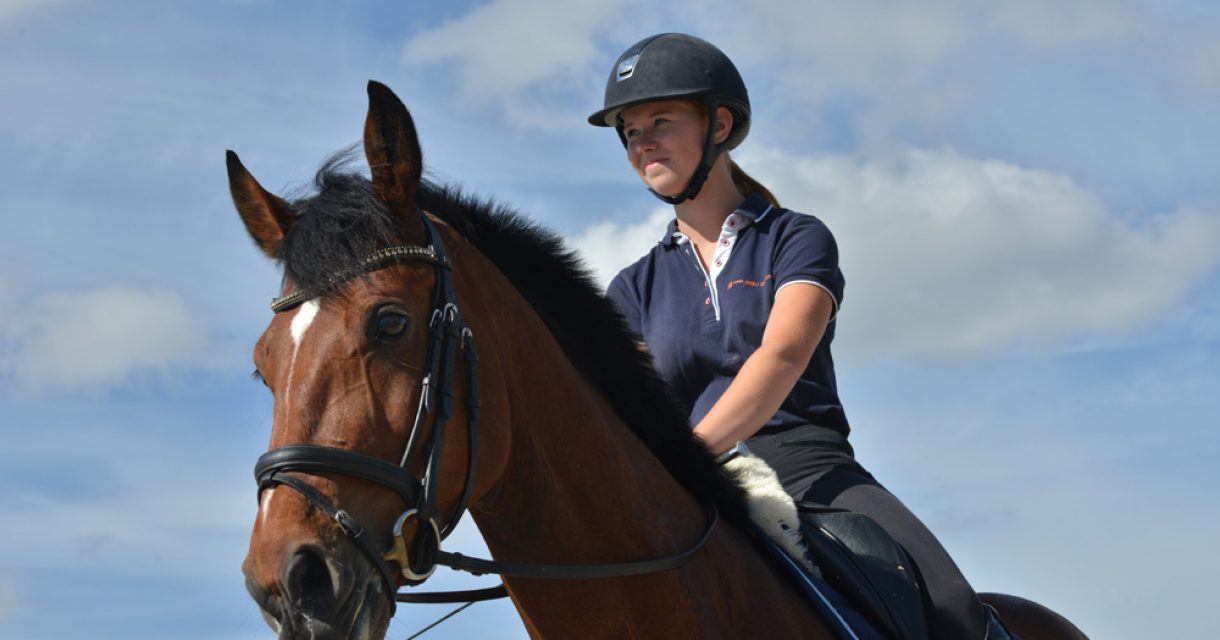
[345,221]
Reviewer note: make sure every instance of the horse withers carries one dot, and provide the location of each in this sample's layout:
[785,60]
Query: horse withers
[557,437]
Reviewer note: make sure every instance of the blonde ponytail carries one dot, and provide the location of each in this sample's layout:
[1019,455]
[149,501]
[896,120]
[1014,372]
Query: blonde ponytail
[748,185]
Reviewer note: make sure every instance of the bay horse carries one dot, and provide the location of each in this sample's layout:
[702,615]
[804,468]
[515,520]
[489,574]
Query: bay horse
[558,438]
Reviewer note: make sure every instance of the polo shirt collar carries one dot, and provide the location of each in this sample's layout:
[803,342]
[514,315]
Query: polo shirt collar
[671,234]
[752,210]
[754,207]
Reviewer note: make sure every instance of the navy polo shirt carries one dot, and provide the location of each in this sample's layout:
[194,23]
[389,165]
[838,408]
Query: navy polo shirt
[700,326]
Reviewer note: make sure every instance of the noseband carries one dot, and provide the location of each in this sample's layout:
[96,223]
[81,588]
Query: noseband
[447,334]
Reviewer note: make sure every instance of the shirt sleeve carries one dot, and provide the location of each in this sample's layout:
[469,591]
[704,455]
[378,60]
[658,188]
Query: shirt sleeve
[626,300]
[807,252]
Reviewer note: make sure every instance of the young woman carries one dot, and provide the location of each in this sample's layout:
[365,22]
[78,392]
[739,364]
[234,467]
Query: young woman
[737,302]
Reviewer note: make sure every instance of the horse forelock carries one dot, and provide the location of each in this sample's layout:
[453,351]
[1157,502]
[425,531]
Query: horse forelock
[344,222]
[336,227]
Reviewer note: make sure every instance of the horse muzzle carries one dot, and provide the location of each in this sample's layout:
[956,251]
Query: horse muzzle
[318,595]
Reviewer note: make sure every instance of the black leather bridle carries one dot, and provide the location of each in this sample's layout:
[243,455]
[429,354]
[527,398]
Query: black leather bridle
[447,335]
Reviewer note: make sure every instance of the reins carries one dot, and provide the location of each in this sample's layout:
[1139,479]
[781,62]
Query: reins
[414,563]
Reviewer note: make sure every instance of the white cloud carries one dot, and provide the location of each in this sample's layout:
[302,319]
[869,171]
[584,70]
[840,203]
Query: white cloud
[878,38]
[137,525]
[1051,24]
[946,254]
[877,34]
[103,338]
[949,254]
[864,75]
[607,247]
[890,67]
[507,45]
[1024,454]
[82,503]
[10,10]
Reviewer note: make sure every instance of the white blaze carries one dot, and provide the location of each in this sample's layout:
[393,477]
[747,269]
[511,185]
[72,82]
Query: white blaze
[300,324]
[262,508]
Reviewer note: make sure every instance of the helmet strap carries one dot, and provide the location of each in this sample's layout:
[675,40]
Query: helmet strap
[711,151]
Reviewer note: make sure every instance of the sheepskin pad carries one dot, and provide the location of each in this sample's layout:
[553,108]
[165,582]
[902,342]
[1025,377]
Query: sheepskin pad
[771,508]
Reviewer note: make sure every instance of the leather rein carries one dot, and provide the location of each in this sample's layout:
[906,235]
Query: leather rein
[414,563]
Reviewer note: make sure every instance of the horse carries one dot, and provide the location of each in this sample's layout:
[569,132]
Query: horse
[605,515]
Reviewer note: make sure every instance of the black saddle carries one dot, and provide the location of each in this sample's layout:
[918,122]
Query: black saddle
[866,565]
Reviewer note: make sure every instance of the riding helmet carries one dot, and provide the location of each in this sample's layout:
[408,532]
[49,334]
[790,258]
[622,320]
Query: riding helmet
[675,66]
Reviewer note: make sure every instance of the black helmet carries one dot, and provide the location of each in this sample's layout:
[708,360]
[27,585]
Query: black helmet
[675,66]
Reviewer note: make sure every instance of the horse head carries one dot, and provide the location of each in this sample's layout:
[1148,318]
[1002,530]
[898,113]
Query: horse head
[365,356]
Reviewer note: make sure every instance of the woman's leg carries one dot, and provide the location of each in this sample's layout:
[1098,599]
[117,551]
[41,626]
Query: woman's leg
[957,612]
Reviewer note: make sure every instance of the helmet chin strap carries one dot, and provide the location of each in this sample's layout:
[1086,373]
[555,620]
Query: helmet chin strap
[711,151]
[692,187]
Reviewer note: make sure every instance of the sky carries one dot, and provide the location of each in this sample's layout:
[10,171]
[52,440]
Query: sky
[1024,196]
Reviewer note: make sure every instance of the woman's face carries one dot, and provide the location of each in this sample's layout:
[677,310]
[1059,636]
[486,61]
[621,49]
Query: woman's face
[665,142]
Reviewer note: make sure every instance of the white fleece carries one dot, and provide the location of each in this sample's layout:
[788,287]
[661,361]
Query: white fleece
[771,508]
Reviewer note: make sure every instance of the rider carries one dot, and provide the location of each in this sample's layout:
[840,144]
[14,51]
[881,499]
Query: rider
[737,302]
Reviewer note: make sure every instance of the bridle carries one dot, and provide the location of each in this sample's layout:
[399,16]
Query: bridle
[447,334]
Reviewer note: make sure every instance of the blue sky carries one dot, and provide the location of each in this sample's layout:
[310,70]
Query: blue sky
[1024,194]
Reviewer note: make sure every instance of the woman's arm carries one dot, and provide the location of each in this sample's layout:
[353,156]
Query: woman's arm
[795,327]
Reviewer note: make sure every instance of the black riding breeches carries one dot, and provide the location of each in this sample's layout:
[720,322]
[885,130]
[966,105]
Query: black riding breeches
[818,466]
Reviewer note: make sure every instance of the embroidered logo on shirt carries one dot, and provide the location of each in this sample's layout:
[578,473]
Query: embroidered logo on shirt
[749,283]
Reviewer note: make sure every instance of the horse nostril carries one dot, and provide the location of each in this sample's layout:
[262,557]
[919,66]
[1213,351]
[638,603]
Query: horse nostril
[307,583]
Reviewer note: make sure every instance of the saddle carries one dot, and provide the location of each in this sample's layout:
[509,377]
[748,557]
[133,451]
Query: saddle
[864,564]
[876,583]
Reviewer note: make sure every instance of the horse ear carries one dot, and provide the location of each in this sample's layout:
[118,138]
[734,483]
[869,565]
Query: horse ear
[267,217]
[392,148]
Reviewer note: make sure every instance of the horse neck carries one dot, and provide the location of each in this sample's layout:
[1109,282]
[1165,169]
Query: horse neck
[575,475]
[578,487]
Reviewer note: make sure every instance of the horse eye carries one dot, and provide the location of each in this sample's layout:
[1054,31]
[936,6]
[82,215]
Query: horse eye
[391,324]
[257,376]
